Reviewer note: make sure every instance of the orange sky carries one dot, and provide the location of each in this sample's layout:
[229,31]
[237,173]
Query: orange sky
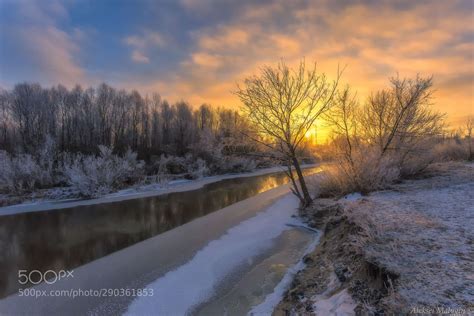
[373,41]
[197,50]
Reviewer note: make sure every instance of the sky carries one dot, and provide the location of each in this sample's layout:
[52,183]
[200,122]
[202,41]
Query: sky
[198,50]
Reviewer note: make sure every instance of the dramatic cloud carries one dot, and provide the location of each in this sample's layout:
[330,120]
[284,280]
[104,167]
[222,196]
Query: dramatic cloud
[373,42]
[198,50]
[49,53]
[54,51]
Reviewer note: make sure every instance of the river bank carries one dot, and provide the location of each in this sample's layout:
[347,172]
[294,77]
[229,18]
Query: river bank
[229,260]
[405,250]
[134,192]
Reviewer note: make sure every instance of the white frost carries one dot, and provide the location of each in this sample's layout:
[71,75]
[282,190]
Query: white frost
[352,197]
[178,291]
[337,304]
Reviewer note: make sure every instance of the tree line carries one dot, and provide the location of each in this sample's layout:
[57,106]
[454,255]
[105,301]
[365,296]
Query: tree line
[79,120]
[96,139]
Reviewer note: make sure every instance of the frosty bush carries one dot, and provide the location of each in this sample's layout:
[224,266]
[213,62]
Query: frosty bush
[187,166]
[235,165]
[415,164]
[23,173]
[176,165]
[17,173]
[366,173]
[93,176]
[387,138]
[192,167]
[46,174]
[198,169]
[451,150]
[162,176]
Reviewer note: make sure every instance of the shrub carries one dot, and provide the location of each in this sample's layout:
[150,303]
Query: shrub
[198,169]
[365,172]
[93,176]
[451,150]
[230,164]
[23,172]
[188,166]
[18,173]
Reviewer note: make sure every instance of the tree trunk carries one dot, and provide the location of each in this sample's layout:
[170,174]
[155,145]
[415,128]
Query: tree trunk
[306,197]
[295,189]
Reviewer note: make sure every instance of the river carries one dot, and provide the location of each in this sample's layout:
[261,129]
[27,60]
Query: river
[142,243]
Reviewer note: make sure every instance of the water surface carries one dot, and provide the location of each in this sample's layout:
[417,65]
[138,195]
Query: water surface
[68,238]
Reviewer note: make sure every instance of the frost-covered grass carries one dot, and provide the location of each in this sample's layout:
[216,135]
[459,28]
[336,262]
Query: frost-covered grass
[453,149]
[367,169]
[422,231]
[409,248]
[366,173]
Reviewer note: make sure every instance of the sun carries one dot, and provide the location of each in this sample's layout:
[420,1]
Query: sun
[310,133]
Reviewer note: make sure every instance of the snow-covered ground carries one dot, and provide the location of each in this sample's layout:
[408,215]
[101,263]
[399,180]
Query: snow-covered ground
[405,250]
[423,232]
[135,192]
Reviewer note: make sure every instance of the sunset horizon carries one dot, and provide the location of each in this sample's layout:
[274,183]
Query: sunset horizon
[200,61]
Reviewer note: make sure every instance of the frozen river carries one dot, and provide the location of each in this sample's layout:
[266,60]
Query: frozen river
[220,248]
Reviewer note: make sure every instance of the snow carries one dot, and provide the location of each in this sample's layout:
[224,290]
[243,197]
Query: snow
[339,304]
[272,300]
[352,197]
[333,301]
[178,291]
[423,232]
[150,190]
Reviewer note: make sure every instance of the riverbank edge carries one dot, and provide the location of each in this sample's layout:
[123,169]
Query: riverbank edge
[135,192]
[339,276]
[320,276]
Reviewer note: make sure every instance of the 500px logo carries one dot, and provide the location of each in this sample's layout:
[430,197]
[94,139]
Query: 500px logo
[49,276]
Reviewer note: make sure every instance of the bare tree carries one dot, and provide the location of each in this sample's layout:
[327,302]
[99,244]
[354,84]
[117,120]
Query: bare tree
[344,119]
[398,118]
[5,120]
[469,128]
[387,137]
[282,105]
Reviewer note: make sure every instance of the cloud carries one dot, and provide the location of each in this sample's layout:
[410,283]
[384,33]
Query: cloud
[206,60]
[142,43]
[50,53]
[199,49]
[138,57]
[227,37]
[376,40]
[54,53]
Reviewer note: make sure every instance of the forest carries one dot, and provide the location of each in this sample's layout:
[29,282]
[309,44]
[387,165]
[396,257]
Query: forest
[101,138]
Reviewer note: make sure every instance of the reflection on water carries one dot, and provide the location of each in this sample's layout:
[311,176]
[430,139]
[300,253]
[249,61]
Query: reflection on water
[67,238]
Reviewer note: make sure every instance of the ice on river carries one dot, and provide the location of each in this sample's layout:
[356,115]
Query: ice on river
[178,291]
